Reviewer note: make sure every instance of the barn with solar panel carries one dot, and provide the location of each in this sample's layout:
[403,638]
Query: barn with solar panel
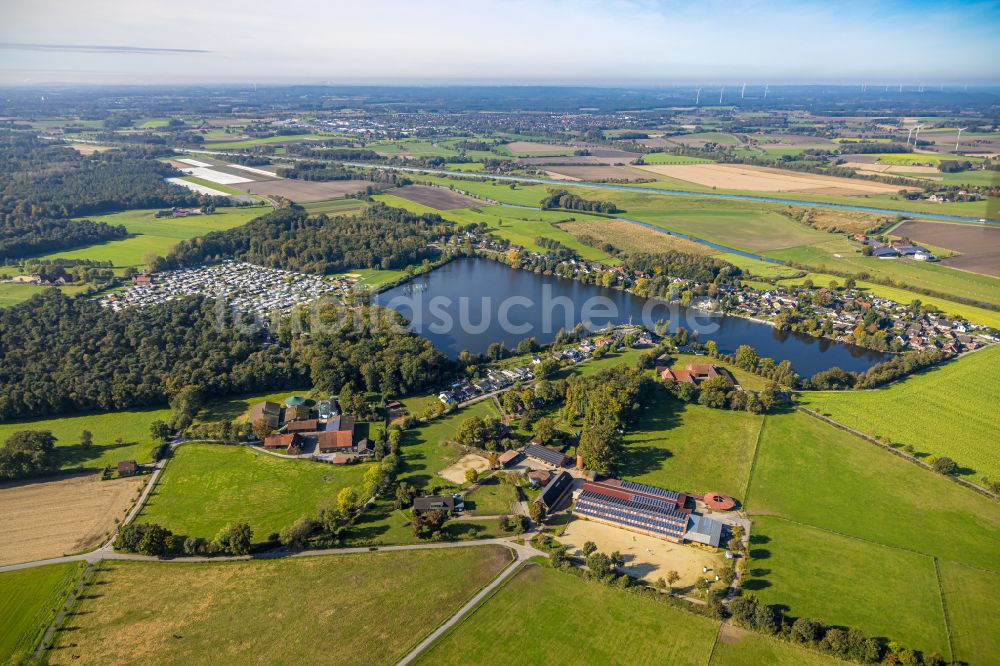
[636,507]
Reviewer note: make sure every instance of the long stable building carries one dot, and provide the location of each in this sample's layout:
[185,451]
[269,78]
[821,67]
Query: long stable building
[634,506]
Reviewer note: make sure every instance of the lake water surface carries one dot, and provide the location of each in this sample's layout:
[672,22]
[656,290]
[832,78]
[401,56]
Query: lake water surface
[468,304]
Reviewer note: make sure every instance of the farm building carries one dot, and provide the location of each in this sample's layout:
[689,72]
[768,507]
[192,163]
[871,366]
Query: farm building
[538,477]
[286,442]
[507,457]
[702,529]
[696,373]
[436,503]
[127,467]
[636,507]
[554,492]
[309,425]
[545,455]
[269,412]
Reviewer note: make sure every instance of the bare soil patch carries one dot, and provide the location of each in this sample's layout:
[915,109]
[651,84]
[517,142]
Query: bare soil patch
[88,148]
[632,238]
[455,472]
[43,519]
[304,191]
[646,557]
[538,148]
[655,142]
[558,176]
[579,160]
[763,179]
[437,198]
[598,174]
[978,245]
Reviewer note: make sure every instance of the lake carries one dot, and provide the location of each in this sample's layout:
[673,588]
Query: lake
[467,304]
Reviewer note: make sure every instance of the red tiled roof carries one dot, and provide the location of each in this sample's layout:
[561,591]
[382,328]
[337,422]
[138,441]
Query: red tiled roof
[311,425]
[507,456]
[334,439]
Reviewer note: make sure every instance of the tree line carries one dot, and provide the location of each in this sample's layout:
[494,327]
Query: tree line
[563,199]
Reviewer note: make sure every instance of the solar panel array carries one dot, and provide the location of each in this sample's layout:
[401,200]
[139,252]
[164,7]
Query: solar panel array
[628,513]
[546,454]
[650,490]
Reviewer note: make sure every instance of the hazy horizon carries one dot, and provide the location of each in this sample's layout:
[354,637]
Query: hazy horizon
[553,42]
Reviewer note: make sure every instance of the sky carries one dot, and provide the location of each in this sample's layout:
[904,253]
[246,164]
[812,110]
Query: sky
[514,41]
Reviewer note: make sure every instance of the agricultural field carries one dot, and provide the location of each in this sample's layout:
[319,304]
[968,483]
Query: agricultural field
[813,484]
[131,426]
[303,191]
[539,610]
[334,207]
[971,604]
[632,238]
[438,198]
[207,486]
[978,245]
[765,179]
[530,148]
[967,390]
[29,601]
[41,519]
[789,563]
[250,143]
[12,294]
[597,173]
[699,139]
[738,647]
[691,448]
[668,158]
[367,608]
[149,235]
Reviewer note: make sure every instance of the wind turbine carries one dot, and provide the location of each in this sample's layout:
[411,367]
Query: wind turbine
[916,135]
[765,91]
[900,87]
[697,96]
[959,137]
[720,94]
[744,90]
[909,134]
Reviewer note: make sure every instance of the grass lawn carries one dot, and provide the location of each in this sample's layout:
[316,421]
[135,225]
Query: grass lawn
[368,608]
[814,573]
[967,390]
[738,647]
[691,448]
[970,597]
[813,473]
[206,486]
[150,235]
[491,498]
[29,601]
[541,612]
[429,448]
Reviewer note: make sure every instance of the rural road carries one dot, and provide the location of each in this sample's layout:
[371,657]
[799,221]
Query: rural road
[521,554]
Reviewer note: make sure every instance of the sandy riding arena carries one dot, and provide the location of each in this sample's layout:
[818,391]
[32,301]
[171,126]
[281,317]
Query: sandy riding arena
[456,471]
[763,179]
[645,557]
[42,519]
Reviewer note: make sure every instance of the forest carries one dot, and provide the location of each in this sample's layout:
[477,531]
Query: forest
[23,237]
[380,237]
[99,360]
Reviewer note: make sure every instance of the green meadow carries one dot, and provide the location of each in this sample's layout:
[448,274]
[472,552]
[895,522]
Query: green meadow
[669,158]
[691,448]
[29,601]
[207,486]
[966,389]
[250,143]
[970,599]
[156,236]
[737,647]
[12,294]
[838,518]
[540,613]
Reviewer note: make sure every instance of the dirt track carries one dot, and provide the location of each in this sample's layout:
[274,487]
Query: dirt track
[42,519]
